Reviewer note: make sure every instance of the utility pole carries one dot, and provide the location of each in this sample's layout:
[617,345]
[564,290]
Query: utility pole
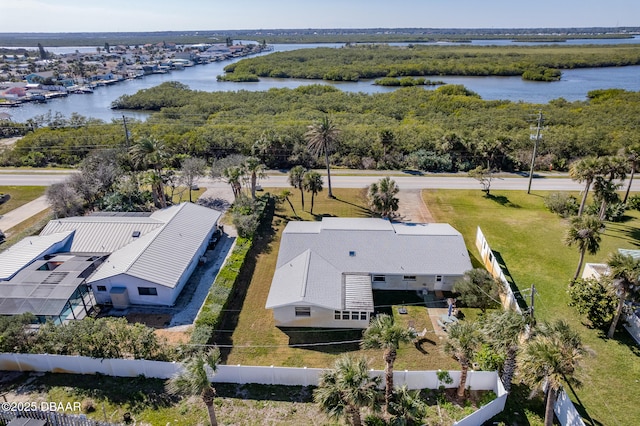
[533,298]
[126,132]
[536,137]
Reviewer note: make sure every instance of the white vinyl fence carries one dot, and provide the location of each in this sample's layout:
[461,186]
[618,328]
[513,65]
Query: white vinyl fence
[476,380]
[566,411]
[489,261]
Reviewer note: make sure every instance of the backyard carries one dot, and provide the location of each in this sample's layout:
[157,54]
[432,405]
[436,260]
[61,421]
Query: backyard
[529,240]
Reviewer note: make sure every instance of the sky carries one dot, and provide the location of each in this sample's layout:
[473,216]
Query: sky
[177,15]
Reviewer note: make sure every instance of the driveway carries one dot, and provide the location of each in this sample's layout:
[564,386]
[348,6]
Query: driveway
[411,207]
[22,213]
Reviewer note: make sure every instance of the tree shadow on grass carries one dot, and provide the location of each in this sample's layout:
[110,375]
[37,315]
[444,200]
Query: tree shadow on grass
[630,234]
[360,209]
[259,392]
[502,200]
[581,408]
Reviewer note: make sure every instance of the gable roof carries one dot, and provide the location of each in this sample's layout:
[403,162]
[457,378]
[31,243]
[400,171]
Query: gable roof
[162,255]
[26,251]
[339,247]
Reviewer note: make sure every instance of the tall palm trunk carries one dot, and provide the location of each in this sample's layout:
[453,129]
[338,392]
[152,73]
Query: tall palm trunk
[291,205]
[302,197]
[584,197]
[254,181]
[509,368]
[326,158]
[548,411]
[313,195]
[355,416]
[208,396]
[633,172]
[389,359]
[580,262]
[463,378]
[616,318]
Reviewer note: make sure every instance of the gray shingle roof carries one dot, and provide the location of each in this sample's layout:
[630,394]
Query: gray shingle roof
[339,246]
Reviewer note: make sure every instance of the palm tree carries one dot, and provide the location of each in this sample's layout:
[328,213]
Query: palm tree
[193,379]
[504,330]
[321,137]
[284,196]
[584,232]
[625,272]
[152,153]
[343,391]
[584,170]
[255,168]
[407,407]
[382,197]
[383,333]
[632,153]
[312,182]
[296,177]
[234,176]
[463,339]
[550,357]
[386,138]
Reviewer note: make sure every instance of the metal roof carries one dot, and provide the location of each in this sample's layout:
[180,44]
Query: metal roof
[358,295]
[29,249]
[360,246]
[102,234]
[164,254]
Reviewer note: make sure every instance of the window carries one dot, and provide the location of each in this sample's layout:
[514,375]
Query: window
[409,278]
[147,291]
[355,315]
[363,316]
[379,279]
[336,315]
[345,315]
[102,288]
[303,311]
[438,278]
[352,253]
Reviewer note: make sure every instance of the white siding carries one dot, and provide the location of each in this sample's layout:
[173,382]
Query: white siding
[320,317]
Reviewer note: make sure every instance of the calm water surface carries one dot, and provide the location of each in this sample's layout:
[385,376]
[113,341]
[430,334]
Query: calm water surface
[574,85]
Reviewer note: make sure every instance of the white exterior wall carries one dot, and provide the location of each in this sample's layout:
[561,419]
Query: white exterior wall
[285,316]
[166,296]
[397,282]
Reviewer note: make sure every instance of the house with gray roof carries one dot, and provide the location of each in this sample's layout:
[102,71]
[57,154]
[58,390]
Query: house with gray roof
[326,271]
[114,259]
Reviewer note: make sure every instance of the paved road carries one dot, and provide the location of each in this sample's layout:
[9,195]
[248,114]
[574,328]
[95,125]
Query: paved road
[279,180]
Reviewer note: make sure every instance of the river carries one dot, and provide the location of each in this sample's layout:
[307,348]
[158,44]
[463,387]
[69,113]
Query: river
[574,85]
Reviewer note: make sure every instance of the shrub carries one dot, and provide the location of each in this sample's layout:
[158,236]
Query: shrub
[562,204]
[634,202]
[594,299]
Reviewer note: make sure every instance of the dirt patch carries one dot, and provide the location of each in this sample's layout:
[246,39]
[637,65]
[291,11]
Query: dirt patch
[156,321]
[174,337]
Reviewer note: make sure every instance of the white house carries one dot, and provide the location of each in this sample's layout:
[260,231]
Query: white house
[150,257]
[326,271]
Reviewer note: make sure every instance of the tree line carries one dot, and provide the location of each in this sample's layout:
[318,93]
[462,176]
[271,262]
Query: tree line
[355,62]
[448,129]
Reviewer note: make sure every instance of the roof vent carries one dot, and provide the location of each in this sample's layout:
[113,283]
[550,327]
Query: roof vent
[135,234]
[352,253]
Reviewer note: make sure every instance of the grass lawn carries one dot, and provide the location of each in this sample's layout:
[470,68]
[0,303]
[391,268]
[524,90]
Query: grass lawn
[529,239]
[19,195]
[257,341]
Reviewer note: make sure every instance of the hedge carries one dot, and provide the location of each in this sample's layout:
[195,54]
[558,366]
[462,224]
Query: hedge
[210,315]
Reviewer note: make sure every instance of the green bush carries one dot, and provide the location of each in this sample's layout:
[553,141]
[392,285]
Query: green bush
[634,202]
[561,204]
[211,313]
[595,300]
